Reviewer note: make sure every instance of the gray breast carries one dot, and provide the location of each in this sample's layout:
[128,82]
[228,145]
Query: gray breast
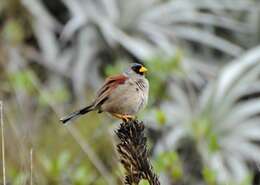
[142,86]
[128,98]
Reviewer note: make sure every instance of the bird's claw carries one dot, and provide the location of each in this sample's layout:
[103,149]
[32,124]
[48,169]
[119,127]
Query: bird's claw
[124,117]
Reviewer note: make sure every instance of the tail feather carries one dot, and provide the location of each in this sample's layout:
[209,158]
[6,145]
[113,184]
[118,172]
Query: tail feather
[76,114]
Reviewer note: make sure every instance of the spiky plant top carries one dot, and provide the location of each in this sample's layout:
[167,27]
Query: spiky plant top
[133,153]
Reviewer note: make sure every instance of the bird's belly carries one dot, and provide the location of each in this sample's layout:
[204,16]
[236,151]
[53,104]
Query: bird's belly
[129,102]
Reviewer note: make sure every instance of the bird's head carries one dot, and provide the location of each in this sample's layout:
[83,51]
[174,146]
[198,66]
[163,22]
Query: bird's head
[138,69]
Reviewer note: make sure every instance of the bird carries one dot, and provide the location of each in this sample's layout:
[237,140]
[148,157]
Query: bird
[122,95]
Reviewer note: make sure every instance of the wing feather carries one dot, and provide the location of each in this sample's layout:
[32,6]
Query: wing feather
[109,85]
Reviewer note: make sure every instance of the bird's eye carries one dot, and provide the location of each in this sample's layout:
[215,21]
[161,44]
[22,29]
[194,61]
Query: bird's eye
[136,68]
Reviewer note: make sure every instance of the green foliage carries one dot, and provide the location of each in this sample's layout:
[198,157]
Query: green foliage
[21,177]
[143,182]
[23,80]
[201,128]
[160,117]
[55,167]
[165,66]
[2,6]
[56,95]
[204,132]
[82,176]
[170,162]
[160,71]
[13,31]
[18,176]
[248,180]
[213,142]
[209,176]
[115,69]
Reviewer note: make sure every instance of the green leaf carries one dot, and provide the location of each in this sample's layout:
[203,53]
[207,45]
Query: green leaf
[23,80]
[21,177]
[169,161]
[115,69]
[209,176]
[57,95]
[13,31]
[63,160]
[160,117]
[143,182]
[201,128]
[177,173]
[46,162]
[161,69]
[213,143]
[81,176]
[248,180]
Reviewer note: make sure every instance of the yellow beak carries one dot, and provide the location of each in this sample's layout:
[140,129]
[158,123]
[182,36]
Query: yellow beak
[143,69]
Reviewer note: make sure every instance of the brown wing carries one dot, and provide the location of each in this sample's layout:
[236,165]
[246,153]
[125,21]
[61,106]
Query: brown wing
[109,85]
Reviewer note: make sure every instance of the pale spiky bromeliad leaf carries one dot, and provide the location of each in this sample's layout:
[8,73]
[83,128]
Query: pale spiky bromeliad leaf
[225,126]
[140,27]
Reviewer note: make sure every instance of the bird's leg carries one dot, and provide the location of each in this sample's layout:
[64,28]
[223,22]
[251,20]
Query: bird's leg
[127,117]
[124,117]
[118,116]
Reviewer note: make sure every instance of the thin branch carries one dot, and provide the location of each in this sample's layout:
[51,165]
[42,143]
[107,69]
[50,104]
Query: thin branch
[31,166]
[133,153]
[3,141]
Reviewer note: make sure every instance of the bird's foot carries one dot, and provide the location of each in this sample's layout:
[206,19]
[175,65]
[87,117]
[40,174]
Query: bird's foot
[127,118]
[124,117]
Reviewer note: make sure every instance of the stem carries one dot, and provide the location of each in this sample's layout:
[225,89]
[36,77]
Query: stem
[133,153]
[3,141]
[31,166]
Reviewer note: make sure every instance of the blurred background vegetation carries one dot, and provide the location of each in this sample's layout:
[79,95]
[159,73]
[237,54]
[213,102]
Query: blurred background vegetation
[203,117]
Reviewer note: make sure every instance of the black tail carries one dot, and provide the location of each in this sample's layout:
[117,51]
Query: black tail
[76,114]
